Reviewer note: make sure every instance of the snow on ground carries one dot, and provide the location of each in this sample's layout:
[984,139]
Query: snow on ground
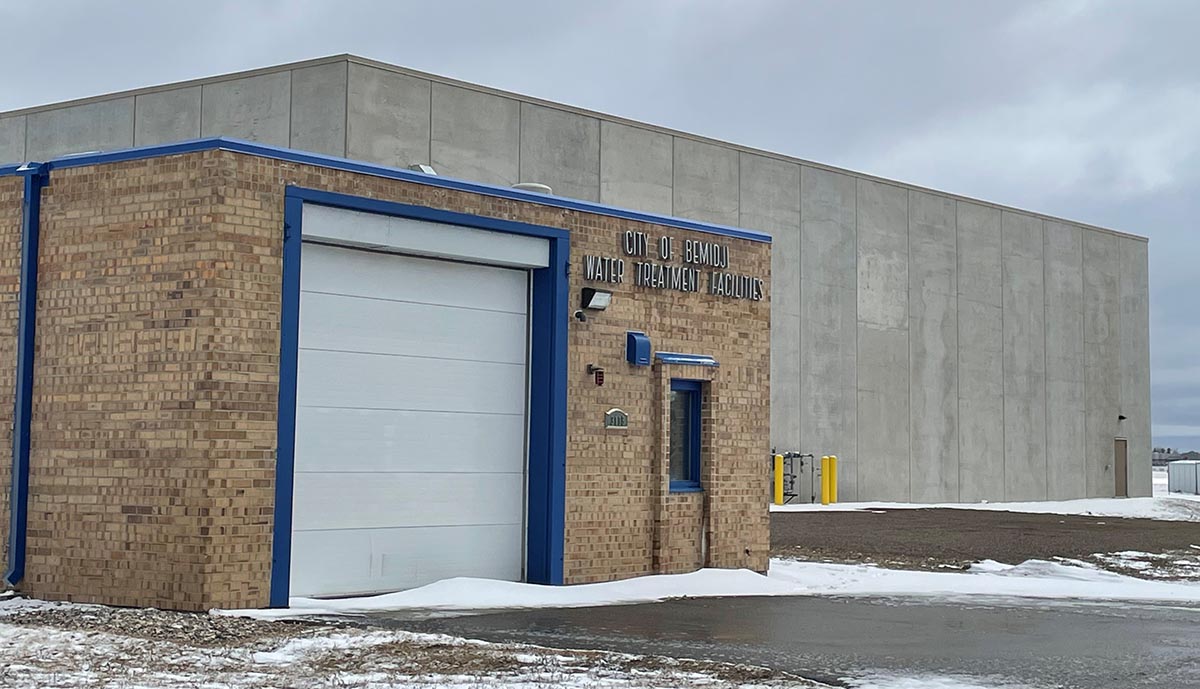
[1159,481]
[1171,565]
[476,594]
[36,657]
[1167,507]
[930,682]
[1032,579]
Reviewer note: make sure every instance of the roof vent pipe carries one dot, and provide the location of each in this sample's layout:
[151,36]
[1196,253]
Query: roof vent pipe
[533,187]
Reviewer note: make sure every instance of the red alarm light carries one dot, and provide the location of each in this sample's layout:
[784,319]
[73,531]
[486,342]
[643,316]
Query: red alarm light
[597,373]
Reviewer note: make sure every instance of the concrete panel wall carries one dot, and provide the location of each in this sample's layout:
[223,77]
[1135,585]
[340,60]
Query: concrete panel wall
[980,354]
[1135,362]
[99,126]
[936,360]
[636,168]
[770,202]
[828,325]
[561,149]
[319,108]
[1065,429]
[256,108]
[387,117]
[883,360]
[1022,252]
[166,116]
[12,139]
[1102,357]
[933,347]
[475,135]
[706,182]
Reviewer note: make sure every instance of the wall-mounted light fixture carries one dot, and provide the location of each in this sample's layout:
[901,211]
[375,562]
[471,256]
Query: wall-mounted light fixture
[597,372]
[597,299]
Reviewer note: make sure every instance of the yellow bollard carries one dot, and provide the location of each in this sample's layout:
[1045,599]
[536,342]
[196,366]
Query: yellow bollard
[825,480]
[832,478]
[778,479]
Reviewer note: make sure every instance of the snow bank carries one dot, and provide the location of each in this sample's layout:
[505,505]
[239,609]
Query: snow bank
[1031,579]
[481,594]
[1177,507]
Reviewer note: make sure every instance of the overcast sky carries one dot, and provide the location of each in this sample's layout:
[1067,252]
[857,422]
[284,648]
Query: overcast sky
[1083,109]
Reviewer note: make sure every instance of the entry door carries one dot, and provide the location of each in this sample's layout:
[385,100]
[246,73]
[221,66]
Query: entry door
[410,422]
[1121,466]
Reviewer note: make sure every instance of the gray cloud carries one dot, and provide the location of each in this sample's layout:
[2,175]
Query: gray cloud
[1076,108]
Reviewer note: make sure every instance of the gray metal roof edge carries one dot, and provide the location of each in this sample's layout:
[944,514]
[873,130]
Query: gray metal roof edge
[533,100]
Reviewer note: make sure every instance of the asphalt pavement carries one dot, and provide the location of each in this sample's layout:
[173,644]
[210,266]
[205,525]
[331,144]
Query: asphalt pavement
[996,643]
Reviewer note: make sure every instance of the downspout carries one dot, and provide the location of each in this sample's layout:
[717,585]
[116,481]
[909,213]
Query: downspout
[37,176]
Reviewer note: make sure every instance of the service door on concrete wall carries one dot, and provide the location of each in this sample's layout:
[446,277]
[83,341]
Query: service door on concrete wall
[410,421]
[1121,466]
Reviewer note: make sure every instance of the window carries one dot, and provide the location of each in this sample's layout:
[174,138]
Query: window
[685,435]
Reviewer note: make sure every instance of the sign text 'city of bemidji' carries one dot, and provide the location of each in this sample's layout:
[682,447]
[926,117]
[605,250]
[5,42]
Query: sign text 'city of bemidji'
[692,267]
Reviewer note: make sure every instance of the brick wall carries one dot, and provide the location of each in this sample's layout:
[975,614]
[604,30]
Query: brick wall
[10,286]
[122,403]
[157,376]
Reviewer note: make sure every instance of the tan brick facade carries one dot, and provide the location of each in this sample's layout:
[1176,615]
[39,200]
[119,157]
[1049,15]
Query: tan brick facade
[156,383]
[10,287]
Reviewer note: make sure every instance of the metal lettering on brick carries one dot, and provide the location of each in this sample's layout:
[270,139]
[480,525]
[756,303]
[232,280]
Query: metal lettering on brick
[699,266]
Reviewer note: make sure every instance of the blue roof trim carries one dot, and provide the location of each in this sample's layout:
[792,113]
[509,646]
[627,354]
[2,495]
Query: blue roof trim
[688,359]
[6,170]
[294,156]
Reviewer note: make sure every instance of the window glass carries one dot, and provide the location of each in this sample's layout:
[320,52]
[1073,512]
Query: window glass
[684,439]
[681,421]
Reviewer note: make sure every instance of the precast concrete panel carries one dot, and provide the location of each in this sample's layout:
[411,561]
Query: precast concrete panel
[770,202]
[1066,468]
[1022,256]
[561,149]
[933,347]
[828,325]
[1135,362]
[1102,357]
[883,414]
[475,135]
[387,117]
[706,182]
[98,126]
[636,168]
[882,255]
[255,108]
[166,116]
[884,421]
[785,382]
[980,354]
[12,139]
[319,108]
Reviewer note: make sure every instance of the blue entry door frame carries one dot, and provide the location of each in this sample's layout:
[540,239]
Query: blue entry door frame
[547,385]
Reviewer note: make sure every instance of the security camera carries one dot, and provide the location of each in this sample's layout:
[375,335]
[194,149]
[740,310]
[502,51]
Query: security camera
[581,316]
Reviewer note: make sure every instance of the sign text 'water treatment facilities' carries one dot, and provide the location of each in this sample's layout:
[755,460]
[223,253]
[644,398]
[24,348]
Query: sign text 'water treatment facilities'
[689,266]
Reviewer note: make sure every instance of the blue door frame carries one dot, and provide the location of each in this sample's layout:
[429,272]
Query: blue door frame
[547,384]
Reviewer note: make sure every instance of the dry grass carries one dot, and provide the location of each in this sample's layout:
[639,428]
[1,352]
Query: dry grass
[91,646]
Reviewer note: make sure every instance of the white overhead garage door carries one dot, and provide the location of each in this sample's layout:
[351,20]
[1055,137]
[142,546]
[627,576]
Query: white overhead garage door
[410,422]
